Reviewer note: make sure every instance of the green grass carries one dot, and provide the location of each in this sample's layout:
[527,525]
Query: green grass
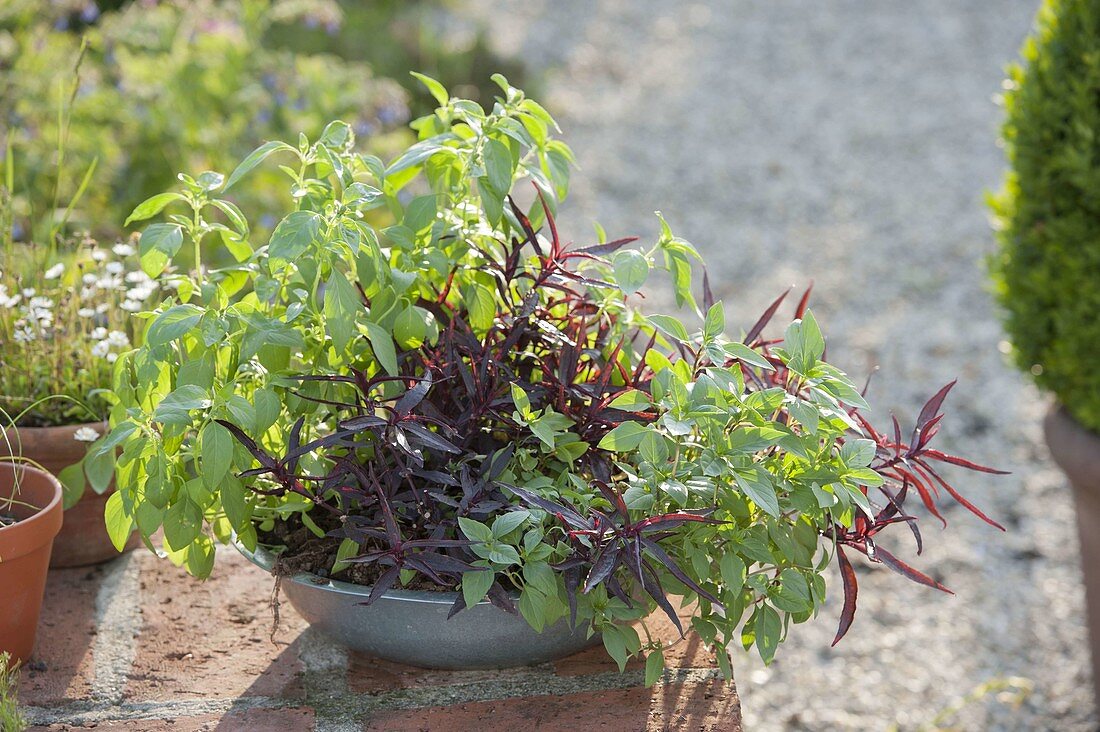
[10,718]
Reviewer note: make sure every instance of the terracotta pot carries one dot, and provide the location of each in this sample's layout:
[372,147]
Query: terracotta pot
[83,539]
[1077,452]
[25,552]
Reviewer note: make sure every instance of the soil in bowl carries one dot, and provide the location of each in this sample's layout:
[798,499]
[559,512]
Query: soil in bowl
[307,552]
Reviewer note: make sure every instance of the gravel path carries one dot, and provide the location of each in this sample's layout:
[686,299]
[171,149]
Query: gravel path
[848,143]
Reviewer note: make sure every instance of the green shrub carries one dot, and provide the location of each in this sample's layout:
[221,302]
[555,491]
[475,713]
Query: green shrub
[405,34]
[1047,270]
[165,87]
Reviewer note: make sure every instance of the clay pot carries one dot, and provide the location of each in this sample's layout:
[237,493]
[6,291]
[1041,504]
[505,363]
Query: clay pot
[25,552]
[83,539]
[1077,452]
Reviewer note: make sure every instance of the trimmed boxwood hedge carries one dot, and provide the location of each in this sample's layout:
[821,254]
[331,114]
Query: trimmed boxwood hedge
[1047,269]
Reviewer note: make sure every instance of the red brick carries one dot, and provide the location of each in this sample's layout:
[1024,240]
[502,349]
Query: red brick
[211,640]
[251,720]
[61,668]
[711,707]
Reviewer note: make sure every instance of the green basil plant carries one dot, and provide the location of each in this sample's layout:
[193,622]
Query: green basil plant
[418,374]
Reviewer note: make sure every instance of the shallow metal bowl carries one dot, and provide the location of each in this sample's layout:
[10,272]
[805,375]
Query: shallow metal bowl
[411,626]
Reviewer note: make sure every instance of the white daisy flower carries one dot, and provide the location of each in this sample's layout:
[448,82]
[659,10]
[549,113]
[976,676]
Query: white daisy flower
[122,250]
[24,335]
[99,255]
[99,333]
[6,300]
[114,267]
[29,292]
[86,312]
[112,357]
[102,308]
[86,434]
[40,302]
[131,306]
[55,271]
[89,279]
[137,276]
[118,339]
[87,293]
[101,349]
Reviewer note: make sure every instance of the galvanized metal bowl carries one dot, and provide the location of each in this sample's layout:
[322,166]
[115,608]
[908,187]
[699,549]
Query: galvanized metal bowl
[411,626]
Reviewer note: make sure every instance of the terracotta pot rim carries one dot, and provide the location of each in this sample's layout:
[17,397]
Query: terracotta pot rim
[38,529]
[99,425]
[1075,448]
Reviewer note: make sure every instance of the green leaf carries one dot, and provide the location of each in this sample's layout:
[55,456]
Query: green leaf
[100,469]
[542,430]
[437,90]
[176,407]
[715,323]
[624,438]
[475,530]
[182,524]
[216,445]
[294,235]
[235,502]
[481,305]
[615,643]
[236,245]
[508,522]
[119,524]
[420,213]
[654,666]
[671,326]
[768,628]
[152,206]
[532,606]
[631,270]
[857,453]
[342,304]
[420,152]
[475,585]
[732,568]
[255,158]
[234,214]
[632,400]
[540,576]
[498,165]
[172,324]
[72,480]
[382,345]
[410,330]
[743,353]
[759,488]
[519,397]
[348,548]
[158,244]
[813,343]
[503,554]
[268,408]
[793,594]
[199,558]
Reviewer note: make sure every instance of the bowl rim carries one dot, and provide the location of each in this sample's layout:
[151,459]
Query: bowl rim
[264,558]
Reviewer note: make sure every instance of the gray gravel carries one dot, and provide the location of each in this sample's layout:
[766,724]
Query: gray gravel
[848,143]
